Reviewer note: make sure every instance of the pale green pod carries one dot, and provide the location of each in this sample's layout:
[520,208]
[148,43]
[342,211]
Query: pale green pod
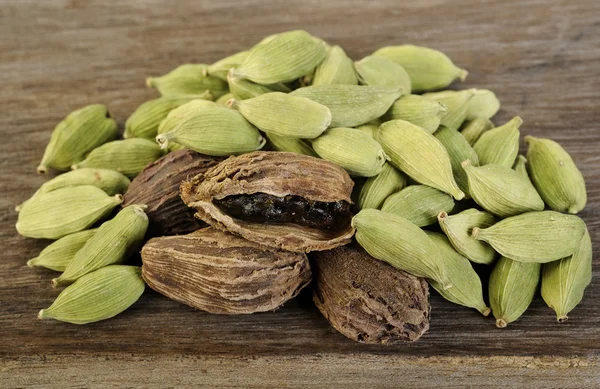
[351,105]
[484,104]
[351,149]
[79,133]
[540,237]
[418,110]
[456,103]
[188,79]
[380,71]
[418,154]
[428,69]
[512,288]
[216,131]
[370,128]
[419,204]
[336,68]
[459,150]
[129,156]
[501,190]
[555,175]
[292,145]
[183,111]
[466,286]
[520,167]
[112,243]
[472,129]
[64,211]
[285,57]
[458,229]
[97,296]
[376,189]
[144,122]
[110,181]
[223,101]
[221,68]
[395,240]
[243,89]
[564,281]
[500,145]
[285,115]
[57,255]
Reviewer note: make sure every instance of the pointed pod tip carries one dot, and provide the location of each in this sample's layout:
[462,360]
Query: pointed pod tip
[150,82]
[501,323]
[486,311]
[119,198]
[56,282]
[458,195]
[74,167]
[162,140]
[562,319]
[462,75]
[465,163]
[442,216]
[475,232]
[517,121]
[42,314]
[41,169]
[31,263]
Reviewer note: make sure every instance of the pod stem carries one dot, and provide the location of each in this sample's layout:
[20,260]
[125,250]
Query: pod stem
[501,323]
[42,169]
[162,140]
[442,216]
[562,319]
[475,232]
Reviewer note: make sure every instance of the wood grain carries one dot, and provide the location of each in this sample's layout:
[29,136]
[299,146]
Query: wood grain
[540,57]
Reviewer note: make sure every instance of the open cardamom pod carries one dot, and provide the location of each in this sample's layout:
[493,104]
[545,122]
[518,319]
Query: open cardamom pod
[157,186]
[222,273]
[277,199]
[368,300]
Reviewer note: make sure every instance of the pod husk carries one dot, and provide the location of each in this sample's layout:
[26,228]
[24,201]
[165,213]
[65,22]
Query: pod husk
[279,174]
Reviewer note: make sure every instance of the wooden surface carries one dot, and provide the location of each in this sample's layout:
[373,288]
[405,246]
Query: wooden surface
[542,58]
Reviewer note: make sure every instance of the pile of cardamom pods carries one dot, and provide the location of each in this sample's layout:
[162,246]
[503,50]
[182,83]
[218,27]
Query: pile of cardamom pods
[387,182]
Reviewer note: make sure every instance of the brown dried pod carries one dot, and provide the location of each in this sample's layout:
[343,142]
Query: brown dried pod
[158,187]
[368,300]
[222,273]
[277,199]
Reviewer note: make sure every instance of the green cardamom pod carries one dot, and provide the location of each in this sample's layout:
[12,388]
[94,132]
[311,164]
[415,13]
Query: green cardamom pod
[484,104]
[501,190]
[418,154]
[380,71]
[428,69]
[419,204]
[512,288]
[459,150]
[466,286]
[555,175]
[223,100]
[285,57]
[540,237]
[564,281]
[144,122]
[473,129]
[97,296]
[418,110]
[188,79]
[114,241]
[500,145]
[64,211]
[243,89]
[395,240]
[292,145]
[129,156]
[370,128]
[57,255]
[214,130]
[520,167]
[456,103]
[79,133]
[351,149]
[336,68]
[221,68]
[110,181]
[285,115]
[351,105]
[180,113]
[458,229]
[376,189]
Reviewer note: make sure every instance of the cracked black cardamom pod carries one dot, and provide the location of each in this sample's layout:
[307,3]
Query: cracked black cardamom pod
[221,273]
[277,199]
[368,300]
[157,186]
